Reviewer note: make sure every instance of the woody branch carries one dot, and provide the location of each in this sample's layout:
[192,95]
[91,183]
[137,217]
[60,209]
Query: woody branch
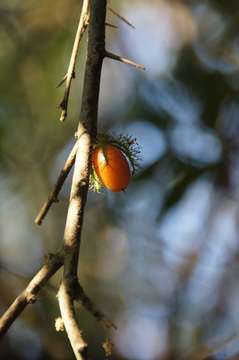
[70,289]
[86,134]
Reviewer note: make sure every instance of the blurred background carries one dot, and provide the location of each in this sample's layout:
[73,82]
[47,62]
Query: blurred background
[162,259]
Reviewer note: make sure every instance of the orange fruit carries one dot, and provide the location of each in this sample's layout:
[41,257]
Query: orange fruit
[112,167]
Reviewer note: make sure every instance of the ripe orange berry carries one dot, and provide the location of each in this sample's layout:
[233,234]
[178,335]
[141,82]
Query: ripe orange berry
[111,167]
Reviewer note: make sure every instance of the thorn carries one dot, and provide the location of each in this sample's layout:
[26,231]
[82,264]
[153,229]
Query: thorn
[111,25]
[121,18]
[62,81]
[123,60]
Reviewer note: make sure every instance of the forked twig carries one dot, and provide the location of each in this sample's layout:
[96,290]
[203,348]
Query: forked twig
[86,132]
[83,22]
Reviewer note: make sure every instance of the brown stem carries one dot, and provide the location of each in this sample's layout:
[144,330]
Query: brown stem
[86,133]
[85,301]
[68,315]
[28,295]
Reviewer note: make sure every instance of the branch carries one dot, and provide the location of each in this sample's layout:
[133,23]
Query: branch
[86,133]
[123,60]
[28,295]
[83,22]
[121,17]
[66,295]
[53,197]
[81,296]
[68,316]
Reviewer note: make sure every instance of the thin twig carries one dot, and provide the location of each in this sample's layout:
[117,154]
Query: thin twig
[81,296]
[83,22]
[123,60]
[86,133]
[68,316]
[53,197]
[121,17]
[72,237]
[28,295]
